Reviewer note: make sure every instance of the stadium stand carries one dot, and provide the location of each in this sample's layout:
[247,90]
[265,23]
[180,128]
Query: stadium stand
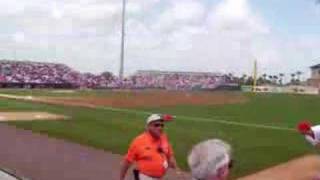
[27,74]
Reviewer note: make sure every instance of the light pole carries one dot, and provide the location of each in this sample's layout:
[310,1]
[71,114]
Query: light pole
[122,39]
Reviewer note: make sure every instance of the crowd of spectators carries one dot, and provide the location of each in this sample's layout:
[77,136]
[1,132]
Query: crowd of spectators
[47,74]
[177,80]
[38,73]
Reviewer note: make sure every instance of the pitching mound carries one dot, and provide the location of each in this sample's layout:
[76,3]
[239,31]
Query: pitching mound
[305,168]
[29,116]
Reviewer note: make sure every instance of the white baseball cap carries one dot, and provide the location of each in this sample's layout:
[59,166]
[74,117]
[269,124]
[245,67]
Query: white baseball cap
[154,117]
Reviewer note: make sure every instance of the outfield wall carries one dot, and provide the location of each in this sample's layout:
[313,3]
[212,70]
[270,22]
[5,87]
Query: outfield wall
[283,89]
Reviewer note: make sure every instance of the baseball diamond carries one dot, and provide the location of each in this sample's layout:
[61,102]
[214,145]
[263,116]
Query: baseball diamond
[269,128]
[159,90]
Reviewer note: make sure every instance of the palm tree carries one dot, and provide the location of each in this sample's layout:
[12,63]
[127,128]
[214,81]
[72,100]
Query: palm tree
[281,75]
[107,75]
[260,81]
[264,76]
[298,73]
[275,77]
[292,78]
[244,76]
[270,79]
[249,80]
[242,79]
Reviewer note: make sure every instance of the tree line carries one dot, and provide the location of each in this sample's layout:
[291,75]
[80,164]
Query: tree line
[267,79]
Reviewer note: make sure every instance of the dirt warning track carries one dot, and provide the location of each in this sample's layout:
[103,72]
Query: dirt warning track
[304,168]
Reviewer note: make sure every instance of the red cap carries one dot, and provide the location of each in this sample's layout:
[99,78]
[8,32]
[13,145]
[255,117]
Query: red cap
[304,126]
[167,117]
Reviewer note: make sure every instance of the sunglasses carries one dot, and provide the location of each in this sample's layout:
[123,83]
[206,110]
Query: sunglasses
[158,125]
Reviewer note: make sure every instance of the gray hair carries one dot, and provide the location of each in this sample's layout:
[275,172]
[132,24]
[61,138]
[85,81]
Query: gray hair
[207,157]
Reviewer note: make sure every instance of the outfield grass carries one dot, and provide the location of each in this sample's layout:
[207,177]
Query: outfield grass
[254,148]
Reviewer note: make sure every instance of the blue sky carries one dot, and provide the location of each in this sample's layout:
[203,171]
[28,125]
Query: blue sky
[293,17]
[180,35]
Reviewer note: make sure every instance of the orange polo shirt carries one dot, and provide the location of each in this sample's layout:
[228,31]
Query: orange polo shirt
[144,152]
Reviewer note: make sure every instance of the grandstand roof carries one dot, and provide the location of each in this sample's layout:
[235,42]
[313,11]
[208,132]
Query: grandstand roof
[28,61]
[155,72]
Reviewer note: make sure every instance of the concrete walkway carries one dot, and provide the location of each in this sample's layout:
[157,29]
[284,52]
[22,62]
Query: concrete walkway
[38,157]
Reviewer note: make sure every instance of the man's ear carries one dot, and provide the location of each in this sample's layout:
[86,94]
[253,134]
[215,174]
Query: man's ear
[221,171]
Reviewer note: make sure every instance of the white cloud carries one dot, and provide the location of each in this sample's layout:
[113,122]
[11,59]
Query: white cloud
[225,36]
[11,7]
[56,11]
[85,11]
[18,37]
[161,34]
[236,15]
[180,13]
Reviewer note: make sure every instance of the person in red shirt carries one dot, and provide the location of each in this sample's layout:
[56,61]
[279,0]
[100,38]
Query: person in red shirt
[310,132]
[150,151]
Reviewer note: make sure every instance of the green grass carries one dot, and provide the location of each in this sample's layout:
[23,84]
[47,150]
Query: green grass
[254,148]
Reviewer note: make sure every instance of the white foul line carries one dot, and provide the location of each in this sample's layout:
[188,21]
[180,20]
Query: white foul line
[197,119]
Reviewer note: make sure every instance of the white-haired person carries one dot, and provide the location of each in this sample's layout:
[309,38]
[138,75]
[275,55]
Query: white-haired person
[210,160]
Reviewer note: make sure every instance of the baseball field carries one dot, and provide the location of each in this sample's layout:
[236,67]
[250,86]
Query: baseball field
[261,128]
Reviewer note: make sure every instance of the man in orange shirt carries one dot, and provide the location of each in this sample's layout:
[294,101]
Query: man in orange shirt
[150,151]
